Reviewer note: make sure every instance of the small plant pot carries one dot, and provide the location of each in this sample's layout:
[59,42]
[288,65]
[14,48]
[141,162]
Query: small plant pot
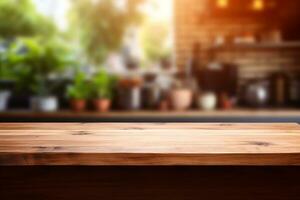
[4,97]
[44,104]
[208,101]
[181,99]
[163,105]
[78,105]
[102,105]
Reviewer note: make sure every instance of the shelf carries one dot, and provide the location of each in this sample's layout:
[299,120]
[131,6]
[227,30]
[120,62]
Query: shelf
[236,115]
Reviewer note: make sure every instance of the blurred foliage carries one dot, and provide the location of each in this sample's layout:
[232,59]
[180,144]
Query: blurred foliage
[34,60]
[80,88]
[101,25]
[6,73]
[154,36]
[20,18]
[103,85]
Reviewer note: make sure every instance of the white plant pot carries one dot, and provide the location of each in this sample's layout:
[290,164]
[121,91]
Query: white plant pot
[44,104]
[207,101]
[4,97]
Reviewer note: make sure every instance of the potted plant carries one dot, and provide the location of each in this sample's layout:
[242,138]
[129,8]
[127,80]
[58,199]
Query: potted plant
[181,96]
[38,64]
[78,92]
[102,86]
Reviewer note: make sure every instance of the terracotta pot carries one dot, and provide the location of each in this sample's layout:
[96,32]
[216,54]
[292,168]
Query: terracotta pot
[163,105]
[102,105]
[181,99]
[78,105]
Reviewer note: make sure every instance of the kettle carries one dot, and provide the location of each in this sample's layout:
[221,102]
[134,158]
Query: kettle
[257,93]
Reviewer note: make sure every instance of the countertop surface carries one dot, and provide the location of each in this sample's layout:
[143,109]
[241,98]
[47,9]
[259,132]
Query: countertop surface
[162,144]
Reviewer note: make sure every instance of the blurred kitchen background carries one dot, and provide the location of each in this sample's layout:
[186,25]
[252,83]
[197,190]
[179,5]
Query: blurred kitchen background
[150,60]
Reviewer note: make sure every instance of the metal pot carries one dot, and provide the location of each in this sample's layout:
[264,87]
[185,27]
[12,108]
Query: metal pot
[130,98]
[257,93]
[151,92]
[151,96]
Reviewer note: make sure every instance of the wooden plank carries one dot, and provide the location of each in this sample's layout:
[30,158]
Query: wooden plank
[149,144]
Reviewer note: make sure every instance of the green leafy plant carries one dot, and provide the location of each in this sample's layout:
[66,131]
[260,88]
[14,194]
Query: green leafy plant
[35,60]
[5,70]
[20,18]
[80,88]
[101,25]
[103,85]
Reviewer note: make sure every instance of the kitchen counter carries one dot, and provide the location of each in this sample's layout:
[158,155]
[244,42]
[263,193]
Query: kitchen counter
[231,116]
[132,161]
[149,144]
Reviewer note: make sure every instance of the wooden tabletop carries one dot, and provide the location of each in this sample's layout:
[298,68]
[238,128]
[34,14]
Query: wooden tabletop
[163,144]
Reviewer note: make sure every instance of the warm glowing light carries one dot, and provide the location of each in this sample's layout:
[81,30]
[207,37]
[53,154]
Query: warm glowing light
[258,5]
[158,10]
[222,3]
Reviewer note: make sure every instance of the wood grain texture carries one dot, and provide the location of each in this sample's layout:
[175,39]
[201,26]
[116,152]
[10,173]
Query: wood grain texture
[113,144]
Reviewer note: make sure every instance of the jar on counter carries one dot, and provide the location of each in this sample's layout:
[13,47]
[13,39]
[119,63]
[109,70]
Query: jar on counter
[129,94]
[151,92]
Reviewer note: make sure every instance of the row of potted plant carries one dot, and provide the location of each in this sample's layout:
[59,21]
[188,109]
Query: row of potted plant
[31,64]
[37,66]
[100,89]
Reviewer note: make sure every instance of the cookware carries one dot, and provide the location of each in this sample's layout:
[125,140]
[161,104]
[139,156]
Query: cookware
[280,85]
[257,93]
[151,92]
[129,94]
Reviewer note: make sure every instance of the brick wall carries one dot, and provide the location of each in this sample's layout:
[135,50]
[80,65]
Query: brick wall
[191,27]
